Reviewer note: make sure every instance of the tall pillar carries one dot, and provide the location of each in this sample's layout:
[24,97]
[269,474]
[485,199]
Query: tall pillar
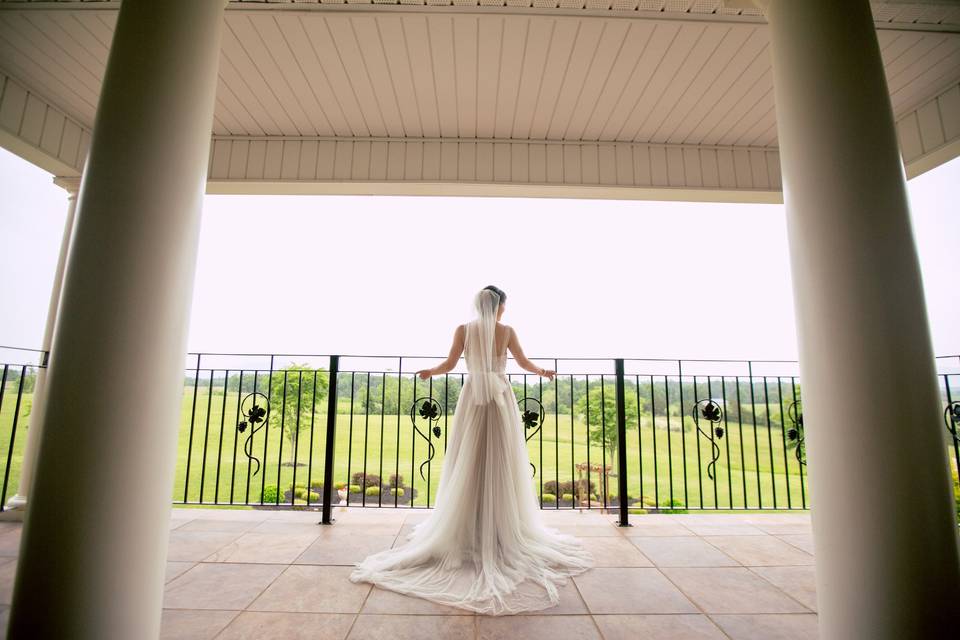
[885,532]
[93,551]
[19,500]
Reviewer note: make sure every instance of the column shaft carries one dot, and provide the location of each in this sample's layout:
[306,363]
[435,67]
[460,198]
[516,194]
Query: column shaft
[93,551]
[19,501]
[885,531]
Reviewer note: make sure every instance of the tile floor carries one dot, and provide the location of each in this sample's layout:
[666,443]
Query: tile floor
[235,574]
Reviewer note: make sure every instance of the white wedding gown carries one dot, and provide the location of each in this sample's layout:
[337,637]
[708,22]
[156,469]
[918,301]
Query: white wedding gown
[484,546]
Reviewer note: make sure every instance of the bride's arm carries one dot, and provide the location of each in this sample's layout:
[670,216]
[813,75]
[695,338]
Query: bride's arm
[523,361]
[456,350]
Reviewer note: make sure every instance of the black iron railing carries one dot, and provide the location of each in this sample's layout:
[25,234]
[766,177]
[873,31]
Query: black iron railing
[321,431]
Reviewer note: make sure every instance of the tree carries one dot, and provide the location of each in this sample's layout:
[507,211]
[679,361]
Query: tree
[297,391]
[603,414]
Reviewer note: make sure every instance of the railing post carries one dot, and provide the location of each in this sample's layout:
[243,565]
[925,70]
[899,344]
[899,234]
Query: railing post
[621,444]
[331,441]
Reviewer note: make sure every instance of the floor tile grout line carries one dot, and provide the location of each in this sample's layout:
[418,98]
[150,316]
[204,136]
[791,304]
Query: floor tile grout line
[778,587]
[696,604]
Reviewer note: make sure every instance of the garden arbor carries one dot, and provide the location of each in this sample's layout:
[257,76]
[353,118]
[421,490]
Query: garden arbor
[824,102]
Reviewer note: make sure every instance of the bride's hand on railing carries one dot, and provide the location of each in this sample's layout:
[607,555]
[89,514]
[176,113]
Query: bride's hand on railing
[548,373]
[425,373]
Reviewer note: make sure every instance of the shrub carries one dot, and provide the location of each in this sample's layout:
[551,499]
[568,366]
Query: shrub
[339,485]
[301,494]
[316,484]
[567,497]
[355,488]
[396,481]
[648,501]
[270,493]
[373,491]
[396,492]
[548,497]
[552,486]
[366,480]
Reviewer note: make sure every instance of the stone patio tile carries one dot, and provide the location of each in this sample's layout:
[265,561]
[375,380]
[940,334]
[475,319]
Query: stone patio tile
[217,524]
[732,590]
[802,541]
[220,586]
[586,530]
[769,627]
[268,548]
[797,582]
[373,527]
[222,513]
[616,552]
[8,571]
[657,627]
[411,627]
[683,551]
[345,550]
[316,589]
[194,546]
[288,527]
[385,601]
[570,602]
[755,551]
[731,529]
[571,627]
[258,625]
[175,569]
[4,620]
[629,590]
[658,528]
[176,523]
[10,542]
[785,529]
[185,624]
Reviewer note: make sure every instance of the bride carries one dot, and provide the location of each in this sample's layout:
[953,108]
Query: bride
[484,546]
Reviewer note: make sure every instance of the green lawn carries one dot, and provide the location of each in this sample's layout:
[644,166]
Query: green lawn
[755,470]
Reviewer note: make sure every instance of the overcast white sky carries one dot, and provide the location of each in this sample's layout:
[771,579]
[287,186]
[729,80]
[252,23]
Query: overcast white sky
[394,275]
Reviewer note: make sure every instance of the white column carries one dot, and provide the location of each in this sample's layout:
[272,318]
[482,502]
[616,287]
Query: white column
[19,500]
[93,551]
[885,532]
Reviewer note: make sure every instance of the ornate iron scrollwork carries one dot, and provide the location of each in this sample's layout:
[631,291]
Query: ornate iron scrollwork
[951,416]
[795,434]
[710,411]
[532,421]
[428,409]
[253,415]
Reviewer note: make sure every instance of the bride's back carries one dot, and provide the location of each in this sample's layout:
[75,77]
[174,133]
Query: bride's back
[473,346]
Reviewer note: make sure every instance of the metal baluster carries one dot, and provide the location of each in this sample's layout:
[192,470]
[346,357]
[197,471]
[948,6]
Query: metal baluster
[330,442]
[193,413]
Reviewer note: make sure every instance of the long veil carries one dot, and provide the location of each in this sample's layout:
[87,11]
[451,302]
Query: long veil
[484,547]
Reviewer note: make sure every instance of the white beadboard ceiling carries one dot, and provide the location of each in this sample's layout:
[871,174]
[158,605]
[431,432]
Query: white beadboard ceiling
[661,72]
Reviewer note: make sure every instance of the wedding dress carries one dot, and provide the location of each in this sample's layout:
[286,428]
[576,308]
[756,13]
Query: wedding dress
[484,546]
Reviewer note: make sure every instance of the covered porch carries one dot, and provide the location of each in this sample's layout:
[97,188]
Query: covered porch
[275,574]
[140,107]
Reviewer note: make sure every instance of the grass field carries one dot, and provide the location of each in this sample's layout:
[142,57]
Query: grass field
[755,469]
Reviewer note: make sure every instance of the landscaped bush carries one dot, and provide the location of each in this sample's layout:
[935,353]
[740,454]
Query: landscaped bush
[567,497]
[551,486]
[339,485]
[395,480]
[366,480]
[549,497]
[355,488]
[373,491]
[396,492]
[316,484]
[301,493]
[672,506]
[648,501]
[270,493]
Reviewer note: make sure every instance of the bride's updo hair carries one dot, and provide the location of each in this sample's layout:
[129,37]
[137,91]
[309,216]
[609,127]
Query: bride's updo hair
[498,291]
